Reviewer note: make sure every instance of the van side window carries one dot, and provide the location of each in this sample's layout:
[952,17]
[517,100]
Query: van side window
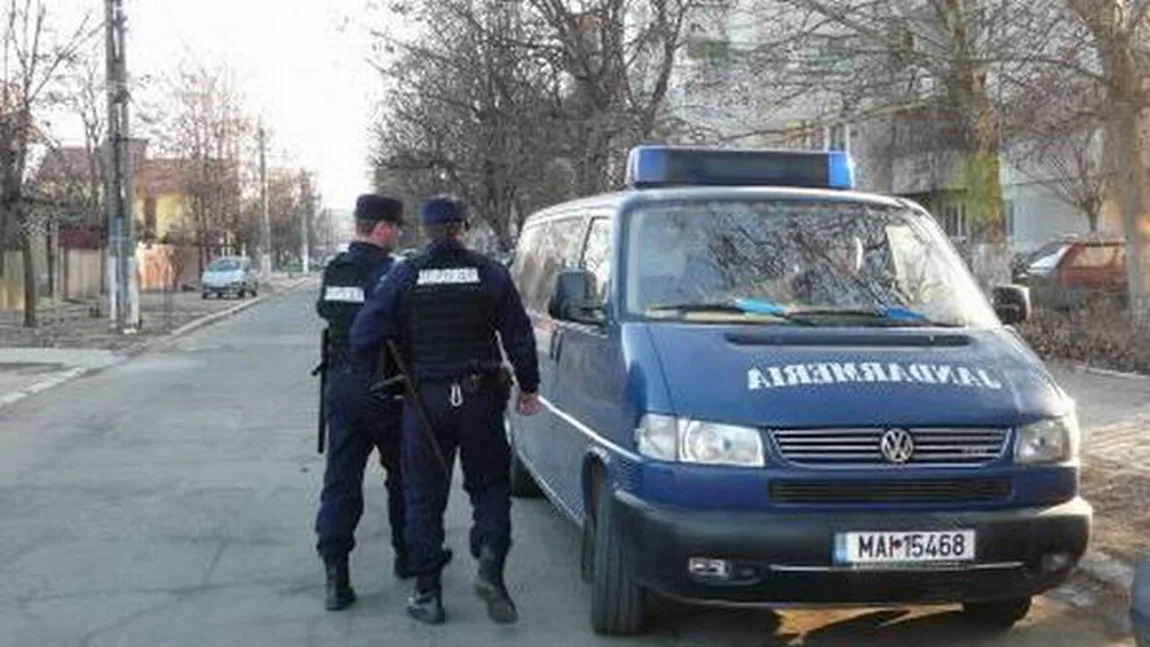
[560,252]
[597,257]
[552,247]
[525,269]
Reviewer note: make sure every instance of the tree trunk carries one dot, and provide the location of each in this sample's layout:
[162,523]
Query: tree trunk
[983,180]
[51,249]
[1135,224]
[30,296]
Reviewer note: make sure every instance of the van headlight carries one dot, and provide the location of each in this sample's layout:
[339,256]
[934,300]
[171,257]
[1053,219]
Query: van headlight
[1054,440]
[668,438]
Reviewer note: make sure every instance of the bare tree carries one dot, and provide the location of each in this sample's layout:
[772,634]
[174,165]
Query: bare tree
[204,125]
[1066,157]
[959,57]
[1115,58]
[36,55]
[516,105]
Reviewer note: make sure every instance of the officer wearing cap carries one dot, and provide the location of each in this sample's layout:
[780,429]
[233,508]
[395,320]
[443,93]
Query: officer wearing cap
[357,420]
[443,309]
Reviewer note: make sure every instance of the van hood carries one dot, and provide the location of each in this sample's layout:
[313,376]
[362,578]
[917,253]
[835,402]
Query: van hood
[834,377]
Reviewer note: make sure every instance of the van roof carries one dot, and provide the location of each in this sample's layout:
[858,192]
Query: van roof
[624,199]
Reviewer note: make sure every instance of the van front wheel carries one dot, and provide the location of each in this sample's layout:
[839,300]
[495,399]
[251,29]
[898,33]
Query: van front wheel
[616,600]
[1002,614]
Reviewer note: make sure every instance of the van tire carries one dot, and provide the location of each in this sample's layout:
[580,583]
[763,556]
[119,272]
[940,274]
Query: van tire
[616,599]
[1000,614]
[522,485]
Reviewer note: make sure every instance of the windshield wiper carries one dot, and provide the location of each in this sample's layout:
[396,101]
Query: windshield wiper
[737,306]
[803,316]
[886,313]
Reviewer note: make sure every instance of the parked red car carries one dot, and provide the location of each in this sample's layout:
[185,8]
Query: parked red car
[1069,274]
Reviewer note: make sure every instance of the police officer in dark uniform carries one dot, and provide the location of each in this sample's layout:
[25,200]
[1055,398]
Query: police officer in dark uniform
[442,309]
[357,419]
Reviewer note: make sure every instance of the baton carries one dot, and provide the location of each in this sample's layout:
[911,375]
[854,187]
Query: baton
[417,404]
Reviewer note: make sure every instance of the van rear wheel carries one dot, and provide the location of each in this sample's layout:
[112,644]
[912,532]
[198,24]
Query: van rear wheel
[1000,614]
[617,604]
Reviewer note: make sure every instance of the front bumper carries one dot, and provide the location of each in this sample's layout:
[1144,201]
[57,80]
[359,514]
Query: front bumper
[786,559]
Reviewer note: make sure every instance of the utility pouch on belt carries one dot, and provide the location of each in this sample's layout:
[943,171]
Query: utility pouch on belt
[503,384]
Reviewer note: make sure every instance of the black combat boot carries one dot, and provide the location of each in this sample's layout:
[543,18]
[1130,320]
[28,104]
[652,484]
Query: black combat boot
[339,594]
[403,565]
[426,603]
[489,586]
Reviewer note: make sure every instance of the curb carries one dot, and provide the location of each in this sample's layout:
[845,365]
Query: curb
[207,320]
[68,375]
[191,326]
[1105,372]
[45,384]
[1111,373]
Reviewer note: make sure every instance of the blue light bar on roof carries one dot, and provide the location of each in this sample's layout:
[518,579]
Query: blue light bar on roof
[667,166]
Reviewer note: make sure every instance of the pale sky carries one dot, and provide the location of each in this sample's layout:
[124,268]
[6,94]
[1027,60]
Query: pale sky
[307,77]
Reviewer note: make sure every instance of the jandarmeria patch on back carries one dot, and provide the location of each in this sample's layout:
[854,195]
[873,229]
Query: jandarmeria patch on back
[343,294]
[452,276]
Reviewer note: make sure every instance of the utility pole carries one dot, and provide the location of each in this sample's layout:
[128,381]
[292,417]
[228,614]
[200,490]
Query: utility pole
[266,237]
[304,243]
[307,214]
[123,306]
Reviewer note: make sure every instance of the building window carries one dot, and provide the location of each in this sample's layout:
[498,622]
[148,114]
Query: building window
[1008,217]
[709,49]
[954,220]
[838,138]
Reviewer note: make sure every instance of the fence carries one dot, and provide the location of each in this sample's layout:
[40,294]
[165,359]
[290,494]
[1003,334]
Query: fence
[163,267]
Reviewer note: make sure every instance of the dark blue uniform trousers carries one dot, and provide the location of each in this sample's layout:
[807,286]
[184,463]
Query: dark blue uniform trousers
[356,425]
[474,429]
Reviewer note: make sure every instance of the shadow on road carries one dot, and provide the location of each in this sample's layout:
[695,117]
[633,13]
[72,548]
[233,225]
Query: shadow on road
[944,627]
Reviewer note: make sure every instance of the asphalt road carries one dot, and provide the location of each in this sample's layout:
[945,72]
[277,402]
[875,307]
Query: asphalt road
[169,501]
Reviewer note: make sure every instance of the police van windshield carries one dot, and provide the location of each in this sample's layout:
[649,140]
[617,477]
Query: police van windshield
[797,261]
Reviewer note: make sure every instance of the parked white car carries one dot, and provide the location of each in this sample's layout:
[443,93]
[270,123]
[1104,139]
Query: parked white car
[229,276]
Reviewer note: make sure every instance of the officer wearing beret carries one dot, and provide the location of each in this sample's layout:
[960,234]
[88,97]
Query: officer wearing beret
[443,309]
[357,420]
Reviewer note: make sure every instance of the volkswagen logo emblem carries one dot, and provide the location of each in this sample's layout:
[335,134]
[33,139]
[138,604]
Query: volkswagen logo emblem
[897,446]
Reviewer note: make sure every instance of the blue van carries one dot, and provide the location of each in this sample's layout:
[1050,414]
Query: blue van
[764,388]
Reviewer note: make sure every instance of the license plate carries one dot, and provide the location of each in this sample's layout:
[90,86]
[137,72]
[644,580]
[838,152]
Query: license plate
[904,547]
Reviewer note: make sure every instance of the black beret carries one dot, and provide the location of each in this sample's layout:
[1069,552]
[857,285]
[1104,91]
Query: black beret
[441,210]
[377,207]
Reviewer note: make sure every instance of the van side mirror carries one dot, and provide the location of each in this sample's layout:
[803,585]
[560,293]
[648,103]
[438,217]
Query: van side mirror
[1012,303]
[570,300]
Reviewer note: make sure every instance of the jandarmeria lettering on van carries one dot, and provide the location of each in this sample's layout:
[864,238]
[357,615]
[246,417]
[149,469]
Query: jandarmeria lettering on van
[453,276]
[790,375]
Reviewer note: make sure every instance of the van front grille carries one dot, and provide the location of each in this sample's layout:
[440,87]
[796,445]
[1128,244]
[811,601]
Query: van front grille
[941,447]
[976,490]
